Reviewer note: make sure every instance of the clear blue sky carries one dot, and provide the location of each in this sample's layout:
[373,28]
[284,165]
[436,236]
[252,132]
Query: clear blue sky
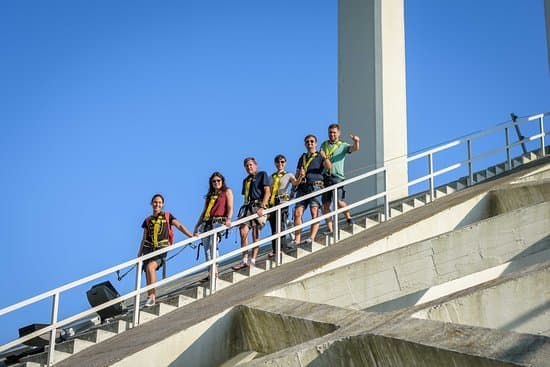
[104,103]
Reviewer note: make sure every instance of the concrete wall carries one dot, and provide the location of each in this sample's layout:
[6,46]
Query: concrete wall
[499,307]
[205,344]
[405,275]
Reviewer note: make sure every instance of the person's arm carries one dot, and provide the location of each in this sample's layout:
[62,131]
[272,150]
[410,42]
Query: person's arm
[265,200]
[355,146]
[181,227]
[327,164]
[293,179]
[140,251]
[228,207]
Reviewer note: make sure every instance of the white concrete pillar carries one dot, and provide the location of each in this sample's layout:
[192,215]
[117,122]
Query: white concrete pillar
[372,91]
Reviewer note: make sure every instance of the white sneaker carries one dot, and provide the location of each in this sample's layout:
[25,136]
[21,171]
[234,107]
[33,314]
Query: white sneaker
[150,302]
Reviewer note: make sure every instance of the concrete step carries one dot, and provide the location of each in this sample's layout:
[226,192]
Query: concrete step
[159,309]
[117,326]
[394,212]
[96,336]
[347,230]
[312,246]
[73,346]
[371,221]
[233,277]
[444,190]
[41,359]
[480,176]
[179,300]
[150,313]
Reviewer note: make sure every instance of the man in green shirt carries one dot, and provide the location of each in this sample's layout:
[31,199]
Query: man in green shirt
[335,152]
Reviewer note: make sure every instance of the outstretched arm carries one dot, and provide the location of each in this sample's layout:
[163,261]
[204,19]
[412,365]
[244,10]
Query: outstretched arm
[355,145]
[182,228]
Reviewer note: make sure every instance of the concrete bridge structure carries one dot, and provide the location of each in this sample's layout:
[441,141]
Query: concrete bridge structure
[459,281]
[453,277]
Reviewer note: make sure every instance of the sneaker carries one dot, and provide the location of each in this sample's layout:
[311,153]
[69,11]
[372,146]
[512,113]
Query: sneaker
[291,246]
[307,241]
[328,233]
[271,254]
[350,222]
[150,302]
[239,266]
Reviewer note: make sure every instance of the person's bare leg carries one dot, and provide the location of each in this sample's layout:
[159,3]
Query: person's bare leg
[314,227]
[342,204]
[328,221]
[255,238]
[244,239]
[151,277]
[298,212]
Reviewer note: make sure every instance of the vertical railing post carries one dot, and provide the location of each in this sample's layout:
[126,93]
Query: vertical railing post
[53,332]
[470,171]
[508,154]
[542,135]
[386,197]
[214,257]
[335,226]
[278,226]
[139,266]
[431,173]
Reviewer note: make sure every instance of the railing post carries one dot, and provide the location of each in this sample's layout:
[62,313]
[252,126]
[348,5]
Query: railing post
[431,172]
[386,198]
[470,171]
[138,293]
[508,154]
[53,332]
[542,134]
[335,226]
[278,225]
[214,257]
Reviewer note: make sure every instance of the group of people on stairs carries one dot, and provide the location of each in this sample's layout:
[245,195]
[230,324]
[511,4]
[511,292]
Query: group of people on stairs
[315,170]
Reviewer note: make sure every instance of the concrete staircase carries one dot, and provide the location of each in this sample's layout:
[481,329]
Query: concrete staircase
[168,303]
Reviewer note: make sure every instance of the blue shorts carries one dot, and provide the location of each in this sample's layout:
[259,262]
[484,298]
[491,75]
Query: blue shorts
[305,189]
[329,181]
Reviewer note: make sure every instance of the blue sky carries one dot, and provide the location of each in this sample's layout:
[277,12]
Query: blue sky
[104,103]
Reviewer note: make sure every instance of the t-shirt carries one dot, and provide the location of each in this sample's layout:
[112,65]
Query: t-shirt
[157,224]
[282,189]
[337,157]
[314,171]
[259,181]
[284,182]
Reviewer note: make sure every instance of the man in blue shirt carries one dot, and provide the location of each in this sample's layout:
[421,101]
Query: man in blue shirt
[256,191]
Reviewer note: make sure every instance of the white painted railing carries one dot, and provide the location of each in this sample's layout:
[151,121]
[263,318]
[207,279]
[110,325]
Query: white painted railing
[54,294]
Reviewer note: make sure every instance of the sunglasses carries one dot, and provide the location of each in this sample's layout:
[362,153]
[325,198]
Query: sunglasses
[310,141]
[215,181]
[281,161]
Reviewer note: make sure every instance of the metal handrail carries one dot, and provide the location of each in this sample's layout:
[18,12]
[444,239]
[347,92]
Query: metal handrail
[55,293]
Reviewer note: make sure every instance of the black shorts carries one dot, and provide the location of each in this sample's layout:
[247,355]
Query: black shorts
[159,259]
[329,181]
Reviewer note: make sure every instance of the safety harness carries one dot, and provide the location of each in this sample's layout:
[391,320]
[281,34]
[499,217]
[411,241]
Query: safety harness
[276,183]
